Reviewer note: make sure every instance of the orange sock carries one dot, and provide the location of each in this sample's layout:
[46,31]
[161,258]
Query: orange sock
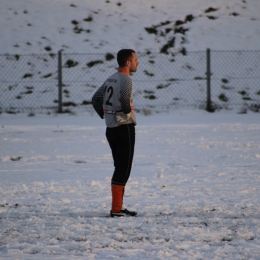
[117,197]
[123,196]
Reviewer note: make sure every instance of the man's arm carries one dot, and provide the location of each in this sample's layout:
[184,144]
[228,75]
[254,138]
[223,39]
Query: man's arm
[126,96]
[97,101]
[125,100]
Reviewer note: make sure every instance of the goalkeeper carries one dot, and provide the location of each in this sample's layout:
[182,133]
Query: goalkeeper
[113,101]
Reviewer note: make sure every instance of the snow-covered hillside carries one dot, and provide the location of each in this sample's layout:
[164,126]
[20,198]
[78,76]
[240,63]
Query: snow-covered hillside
[101,26]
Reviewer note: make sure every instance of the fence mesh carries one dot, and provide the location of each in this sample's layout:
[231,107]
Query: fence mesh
[235,78]
[31,81]
[28,81]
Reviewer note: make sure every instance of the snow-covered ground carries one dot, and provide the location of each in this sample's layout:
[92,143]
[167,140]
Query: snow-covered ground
[195,184]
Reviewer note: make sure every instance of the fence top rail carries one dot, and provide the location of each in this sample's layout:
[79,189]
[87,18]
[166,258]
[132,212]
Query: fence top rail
[103,53]
[234,51]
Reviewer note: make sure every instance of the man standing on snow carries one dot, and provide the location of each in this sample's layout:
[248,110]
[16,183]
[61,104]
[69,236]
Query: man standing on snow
[114,102]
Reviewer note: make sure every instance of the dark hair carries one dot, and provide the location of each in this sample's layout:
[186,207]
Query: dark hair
[123,56]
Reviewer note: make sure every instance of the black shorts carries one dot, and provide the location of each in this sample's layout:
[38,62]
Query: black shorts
[121,140]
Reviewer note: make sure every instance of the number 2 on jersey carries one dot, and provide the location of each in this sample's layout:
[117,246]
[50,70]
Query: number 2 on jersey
[110,91]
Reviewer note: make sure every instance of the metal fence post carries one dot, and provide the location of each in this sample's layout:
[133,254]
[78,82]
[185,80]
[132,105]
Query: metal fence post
[60,81]
[208,108]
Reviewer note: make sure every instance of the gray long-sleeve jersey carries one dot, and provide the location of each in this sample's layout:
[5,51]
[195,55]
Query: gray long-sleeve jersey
[115,95]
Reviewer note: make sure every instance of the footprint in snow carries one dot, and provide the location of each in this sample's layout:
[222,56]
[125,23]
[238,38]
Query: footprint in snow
[80,161]
[16,158]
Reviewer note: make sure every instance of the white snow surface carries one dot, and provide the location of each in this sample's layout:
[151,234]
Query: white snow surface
[29,26]
[194,183]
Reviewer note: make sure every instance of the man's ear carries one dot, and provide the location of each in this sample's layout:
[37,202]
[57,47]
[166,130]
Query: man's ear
[127,63]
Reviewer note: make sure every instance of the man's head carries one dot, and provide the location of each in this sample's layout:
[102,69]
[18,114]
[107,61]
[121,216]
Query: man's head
[127,58]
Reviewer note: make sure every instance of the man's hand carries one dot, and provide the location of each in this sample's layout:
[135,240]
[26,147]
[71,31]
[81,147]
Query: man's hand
[122,117]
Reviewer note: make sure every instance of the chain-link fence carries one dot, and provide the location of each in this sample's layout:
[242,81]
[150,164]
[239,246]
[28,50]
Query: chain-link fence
[28,82]
[55,81]
[235,79]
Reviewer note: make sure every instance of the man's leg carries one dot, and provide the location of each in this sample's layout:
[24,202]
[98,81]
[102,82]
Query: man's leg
[121,140]
[117,197]
[131,132]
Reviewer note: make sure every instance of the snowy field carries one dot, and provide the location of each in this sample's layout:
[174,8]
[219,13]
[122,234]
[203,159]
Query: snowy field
[195,184]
